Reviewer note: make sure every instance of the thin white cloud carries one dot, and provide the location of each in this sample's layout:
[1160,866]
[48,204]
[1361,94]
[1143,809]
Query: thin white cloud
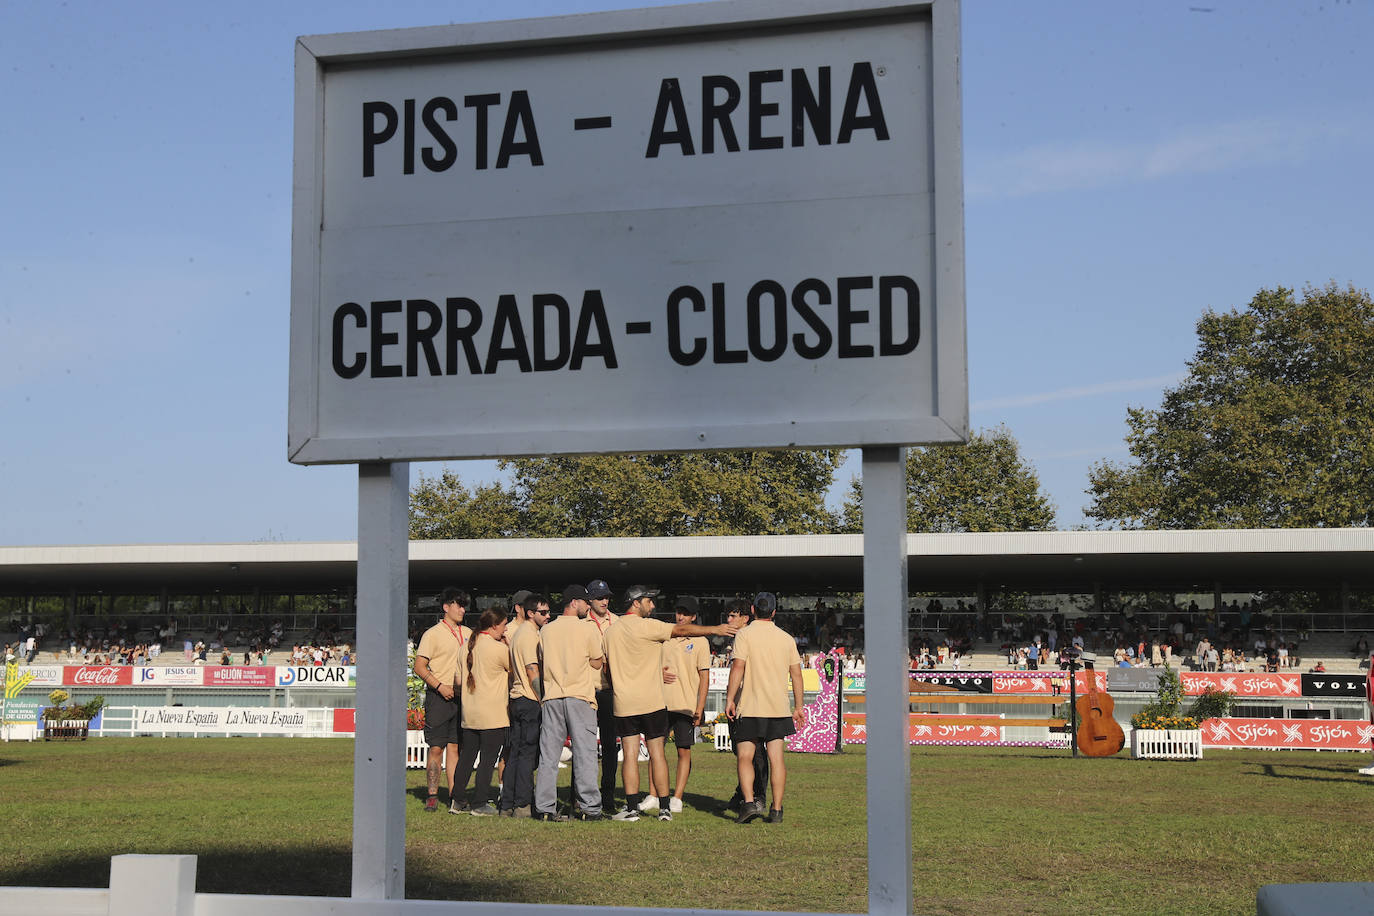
[1082,391]
[1086,164]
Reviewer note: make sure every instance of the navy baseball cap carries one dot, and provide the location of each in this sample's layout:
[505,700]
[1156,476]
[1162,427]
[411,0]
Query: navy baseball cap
[597,588]
[765,602]
[687,605]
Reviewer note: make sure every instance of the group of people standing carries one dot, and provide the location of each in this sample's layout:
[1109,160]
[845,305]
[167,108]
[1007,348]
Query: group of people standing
[517,689]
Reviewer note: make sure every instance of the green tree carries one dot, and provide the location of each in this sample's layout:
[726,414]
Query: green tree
[443,507]
[982,485]
[748,492]
[1273,426]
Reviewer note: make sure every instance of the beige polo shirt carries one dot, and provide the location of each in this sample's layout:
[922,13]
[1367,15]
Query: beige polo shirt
[602,628]
[446,648]
[524,650]
[687,657]
[567,646]
[484,703]
[634,650]
[768,654]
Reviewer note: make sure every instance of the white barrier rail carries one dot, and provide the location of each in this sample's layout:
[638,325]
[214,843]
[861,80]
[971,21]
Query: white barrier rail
[165,885]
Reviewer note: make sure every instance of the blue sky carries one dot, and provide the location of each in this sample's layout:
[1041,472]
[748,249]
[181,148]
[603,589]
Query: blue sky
[1127,166]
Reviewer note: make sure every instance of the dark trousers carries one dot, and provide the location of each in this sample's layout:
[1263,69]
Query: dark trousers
[760,767]
[522,754]
[605,723]
[482,746]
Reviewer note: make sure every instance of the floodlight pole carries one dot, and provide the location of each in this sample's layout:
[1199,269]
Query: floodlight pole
[379,779]
[887,688]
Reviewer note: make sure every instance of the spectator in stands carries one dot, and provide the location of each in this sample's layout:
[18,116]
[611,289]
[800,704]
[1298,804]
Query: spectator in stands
[1361,649]
[1319,667]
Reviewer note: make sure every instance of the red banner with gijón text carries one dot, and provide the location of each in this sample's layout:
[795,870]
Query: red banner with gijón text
[1305,734]
[982,730]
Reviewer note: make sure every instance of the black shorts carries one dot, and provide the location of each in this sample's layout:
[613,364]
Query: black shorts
[756,728]
[442,719]
[650,724]
[683,731]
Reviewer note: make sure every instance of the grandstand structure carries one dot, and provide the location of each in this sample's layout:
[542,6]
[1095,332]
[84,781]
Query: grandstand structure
[1318,580]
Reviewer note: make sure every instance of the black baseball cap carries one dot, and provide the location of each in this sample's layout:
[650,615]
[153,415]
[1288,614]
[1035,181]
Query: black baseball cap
[521,597]
[572,592]
[635,592]
[765,602]
[688,605]
[597,588]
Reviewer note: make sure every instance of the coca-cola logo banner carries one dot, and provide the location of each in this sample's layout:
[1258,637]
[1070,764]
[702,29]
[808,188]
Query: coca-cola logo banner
[1305,734]
[98,676]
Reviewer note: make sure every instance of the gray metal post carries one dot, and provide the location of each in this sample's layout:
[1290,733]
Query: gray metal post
[885,654]
[379,775]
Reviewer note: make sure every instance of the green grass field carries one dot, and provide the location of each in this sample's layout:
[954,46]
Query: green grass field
[995,830]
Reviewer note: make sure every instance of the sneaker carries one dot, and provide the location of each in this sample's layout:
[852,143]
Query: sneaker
[664,814]
[649,805]
[522,811]
[675,805]
[458,806]
[588,816]
[484,811]
[774,816]
[431,804]
[750,811]
[626,814]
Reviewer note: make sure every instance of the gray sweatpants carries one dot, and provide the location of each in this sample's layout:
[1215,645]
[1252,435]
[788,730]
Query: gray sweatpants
[563,718]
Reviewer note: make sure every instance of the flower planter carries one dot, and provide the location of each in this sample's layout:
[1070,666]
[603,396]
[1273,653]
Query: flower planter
[66,729]
[1166,744]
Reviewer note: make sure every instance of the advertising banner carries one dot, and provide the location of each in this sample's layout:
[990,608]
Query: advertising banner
[220,719]
[1017,683]
[1350,686]
[976,683]
[44,675]
[988,732]
[1242,684]
[101,676]
[183,676]
[345,721]
[238,676]
[315,675]
[1304,734]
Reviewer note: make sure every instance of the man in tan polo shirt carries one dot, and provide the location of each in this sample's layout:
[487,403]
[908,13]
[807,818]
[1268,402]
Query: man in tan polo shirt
[571,658]
[635,657]
[438,659]
[599,614]
[756,697]
[517,788]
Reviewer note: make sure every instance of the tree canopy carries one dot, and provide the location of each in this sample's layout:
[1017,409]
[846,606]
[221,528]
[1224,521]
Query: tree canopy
[1272,427]
[720,493]
[982,485]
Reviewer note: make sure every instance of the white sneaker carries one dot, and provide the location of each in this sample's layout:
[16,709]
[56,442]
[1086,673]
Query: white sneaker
[649,805]
[675,805]
[625,814]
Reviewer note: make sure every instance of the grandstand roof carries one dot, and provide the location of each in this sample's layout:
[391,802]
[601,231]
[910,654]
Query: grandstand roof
[1059,560]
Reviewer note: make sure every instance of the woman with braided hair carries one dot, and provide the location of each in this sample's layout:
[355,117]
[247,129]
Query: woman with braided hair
[486,691]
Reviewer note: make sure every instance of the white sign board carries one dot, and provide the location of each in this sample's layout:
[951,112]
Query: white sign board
[716,226]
